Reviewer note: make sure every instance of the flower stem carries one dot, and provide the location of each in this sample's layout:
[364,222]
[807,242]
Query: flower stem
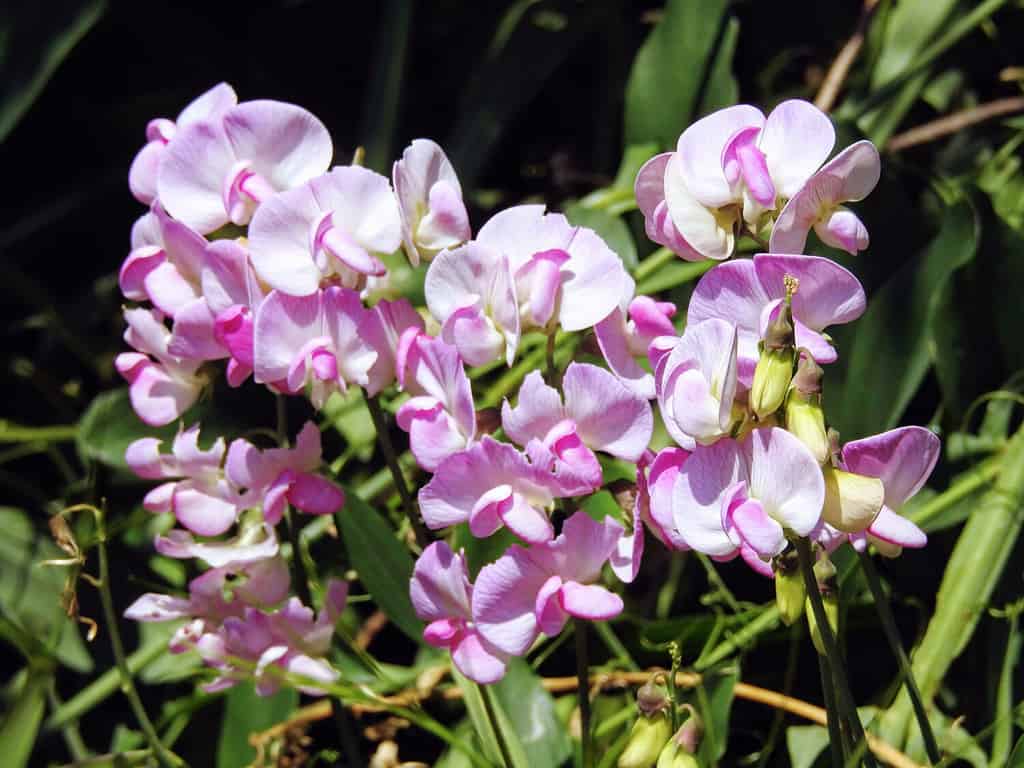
[492,716]
[893,636]
[583,693]
[408,503]
[163,755]
[828,693]
[549,355]
[846,708]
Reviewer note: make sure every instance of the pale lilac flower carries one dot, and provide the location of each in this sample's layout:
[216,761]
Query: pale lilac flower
[142,176]
[848,177]
[430,201]
[733,163]
[529,591]
[316,341]
[750,292]
[290,640]
[332,228]
[251,544]
[165,263]
[441,594]
[219,170]
[697,384]
[491,484]
[743,497]
[564,275]
[471,292]
[658,485]
[257,583]
[440,416]
[389,323]
[902,459]
[197,492]
[161,386]
[281,476]
[599,413]
[627,333]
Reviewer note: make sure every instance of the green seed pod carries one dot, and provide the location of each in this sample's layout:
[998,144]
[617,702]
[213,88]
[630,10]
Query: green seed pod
[806,420]
[646,741]
[771,380]
[675,756]
[831,605]
[790,594]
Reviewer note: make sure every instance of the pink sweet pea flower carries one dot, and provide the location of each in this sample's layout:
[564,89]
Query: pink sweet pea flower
[283,476]
[658,486]
[199,495]
[165,263]
[622,340]
[529,591]
[441,594]
[902,459]
[848,177]
[317,340]
[290,639]
[440,416]
[251,544]
[564,275]
[742,497]
[389,323]
[142,176]
[331,227]
[161,386]
[698,382]
[600,413]
[259,583]
[748,293]
[430,201]
[219,170]
[732,163]
[471,292]
[491,484]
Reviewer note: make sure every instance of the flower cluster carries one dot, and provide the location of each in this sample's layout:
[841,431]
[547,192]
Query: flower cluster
[257,252]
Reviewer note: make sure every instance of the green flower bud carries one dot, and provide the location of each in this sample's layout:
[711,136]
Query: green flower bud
[831,604]
[806,420]
[771,380]
[646,741]
[790,591]
[674,756]
[852,502]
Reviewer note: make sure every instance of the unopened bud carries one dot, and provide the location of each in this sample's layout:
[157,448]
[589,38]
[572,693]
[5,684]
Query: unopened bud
[646,741]
[806,419]
[771,380]
[680,750]
[808,376]
[651,699]
[852,501]
[831,605]
[674,756]
[789,587]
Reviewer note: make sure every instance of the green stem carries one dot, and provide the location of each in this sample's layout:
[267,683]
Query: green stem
[299,577]
[408,503]
[163,755]
[765,622]
[72,735]
[893,636]
[847,709]
[614,645]
[715,580]
[828,693]
[652,263]
[583,693]
[979,477]
[549,356]
[486,695]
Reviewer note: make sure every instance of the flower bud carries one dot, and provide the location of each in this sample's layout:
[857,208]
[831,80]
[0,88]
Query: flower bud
[680,750]
[831,605]
[806,420]
[852,502]
[790,591]
[674,756]
[646,741]
[771,380]
[651,699]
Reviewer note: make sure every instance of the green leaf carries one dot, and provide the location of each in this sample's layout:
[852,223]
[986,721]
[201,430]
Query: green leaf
[483,728]
[166,667]
[911,26]
[30,593]
[480,552]
[612,230]
[1017,756]
[888,348]
[32,46]
[531,715]
[21,725]
[348,414]
[664,88]
[714,698]
[721,89]
[383,563]
[805,743]
[244,713]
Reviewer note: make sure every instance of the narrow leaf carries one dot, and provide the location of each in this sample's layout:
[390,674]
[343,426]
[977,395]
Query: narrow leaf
[244,713]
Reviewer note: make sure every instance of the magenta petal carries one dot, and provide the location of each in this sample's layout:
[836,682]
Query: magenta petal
[478,660]
[551,617]
[590,601]
[193,336]
[527,522]
[315,495]
[901,458]
[439,587]
[757,529]
[827,294]
[612,335]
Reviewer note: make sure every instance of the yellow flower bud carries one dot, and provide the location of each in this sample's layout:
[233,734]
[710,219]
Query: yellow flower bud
[771,381]
[806,420]
[831,605]
[790,593]
[852,502]
[646,741]
[674,756]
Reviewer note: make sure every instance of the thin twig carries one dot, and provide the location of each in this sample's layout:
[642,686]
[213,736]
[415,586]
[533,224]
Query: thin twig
[840,68]
[950,124]
[384,441]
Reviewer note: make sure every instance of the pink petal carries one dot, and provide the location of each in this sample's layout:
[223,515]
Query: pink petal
[478,660]
[143,458]
[732,292]
[743,163]
[590,601]
[895,529]
[504,601]
[140,262]
[786,479]
[192,171]
[439,587]
[700,151]
[827,293]
[158,398]
[586,545]
[756,529]
[527,522]
[843,229]
[154,607]
[596,281]
[422,167]
[661,481]
[193,336]
[227,277]
[551,617]
[280,241]
[797,138]
[201,511]
[609,416]
[142,174]
[698,493]
[315,495]
[901,458]
[283,326]
[538,409]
